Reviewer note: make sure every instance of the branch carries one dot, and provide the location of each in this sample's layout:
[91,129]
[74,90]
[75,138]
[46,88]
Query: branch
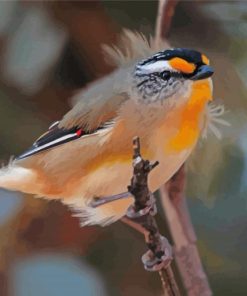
[159,256]
[182,231]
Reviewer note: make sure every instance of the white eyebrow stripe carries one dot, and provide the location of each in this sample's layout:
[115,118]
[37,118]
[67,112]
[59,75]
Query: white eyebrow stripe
[157,66]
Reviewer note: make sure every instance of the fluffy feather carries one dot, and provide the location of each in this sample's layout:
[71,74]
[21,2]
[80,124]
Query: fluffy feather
[103,215]
[214,120]
[132,46]
[12,177]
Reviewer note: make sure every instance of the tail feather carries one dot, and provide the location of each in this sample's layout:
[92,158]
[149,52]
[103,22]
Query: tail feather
[16,178]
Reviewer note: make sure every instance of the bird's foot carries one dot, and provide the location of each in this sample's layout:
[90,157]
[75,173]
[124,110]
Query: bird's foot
[150,208]
[157,261]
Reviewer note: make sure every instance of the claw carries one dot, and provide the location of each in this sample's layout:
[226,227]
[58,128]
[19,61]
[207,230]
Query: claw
[155,262]
[149,209]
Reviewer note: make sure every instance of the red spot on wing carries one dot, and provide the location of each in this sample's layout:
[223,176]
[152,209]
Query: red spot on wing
[79,132]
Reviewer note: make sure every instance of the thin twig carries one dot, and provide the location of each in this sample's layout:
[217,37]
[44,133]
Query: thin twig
[165,13]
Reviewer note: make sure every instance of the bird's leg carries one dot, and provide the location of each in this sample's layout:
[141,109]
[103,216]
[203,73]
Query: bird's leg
[99,201]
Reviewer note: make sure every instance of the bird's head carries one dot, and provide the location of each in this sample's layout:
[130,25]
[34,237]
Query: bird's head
[169,74]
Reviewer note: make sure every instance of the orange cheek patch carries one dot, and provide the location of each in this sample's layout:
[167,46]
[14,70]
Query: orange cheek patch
[205,60]
[182,65]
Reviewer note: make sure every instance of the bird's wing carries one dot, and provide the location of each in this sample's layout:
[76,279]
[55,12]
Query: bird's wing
[95,111]
[56,136]
[99,103]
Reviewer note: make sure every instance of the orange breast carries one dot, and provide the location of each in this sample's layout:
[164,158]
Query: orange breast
[189,123]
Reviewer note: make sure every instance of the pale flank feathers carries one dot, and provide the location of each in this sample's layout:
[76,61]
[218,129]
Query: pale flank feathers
[103,215]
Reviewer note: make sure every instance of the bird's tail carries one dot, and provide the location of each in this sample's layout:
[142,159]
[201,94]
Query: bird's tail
[17,178]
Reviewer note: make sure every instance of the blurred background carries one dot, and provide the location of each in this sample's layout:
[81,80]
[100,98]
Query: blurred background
[50,49]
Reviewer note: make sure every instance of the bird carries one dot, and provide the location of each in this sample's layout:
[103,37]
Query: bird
[158,93]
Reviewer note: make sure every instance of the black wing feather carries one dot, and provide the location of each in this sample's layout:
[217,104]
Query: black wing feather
[52,138]
[56,136]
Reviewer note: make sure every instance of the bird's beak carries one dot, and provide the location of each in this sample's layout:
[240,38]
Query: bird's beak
[202,72]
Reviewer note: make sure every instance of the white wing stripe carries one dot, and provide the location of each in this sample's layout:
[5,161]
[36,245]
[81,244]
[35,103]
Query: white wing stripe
[49,144]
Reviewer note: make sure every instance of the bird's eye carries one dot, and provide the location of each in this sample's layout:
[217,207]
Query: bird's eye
[165,75]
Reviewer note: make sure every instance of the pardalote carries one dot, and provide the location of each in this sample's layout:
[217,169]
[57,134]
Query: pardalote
[160,95]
